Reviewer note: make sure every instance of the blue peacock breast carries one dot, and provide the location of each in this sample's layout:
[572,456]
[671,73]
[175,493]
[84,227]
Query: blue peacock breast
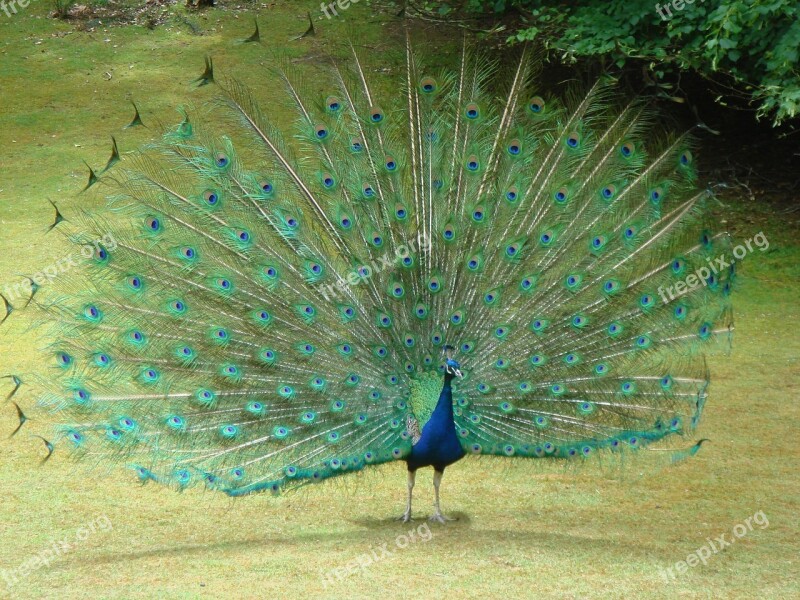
[437,443]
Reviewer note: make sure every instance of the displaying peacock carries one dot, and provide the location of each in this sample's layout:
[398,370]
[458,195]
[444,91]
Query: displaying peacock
[468,267]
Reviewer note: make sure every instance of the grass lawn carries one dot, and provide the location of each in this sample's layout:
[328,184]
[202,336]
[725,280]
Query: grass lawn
[524,530]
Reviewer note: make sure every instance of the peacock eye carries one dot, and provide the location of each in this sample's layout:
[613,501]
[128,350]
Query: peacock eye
[321,132]
[573,140]
[428,85]
[627,149]
[536,105]
[333,104]
[376,115]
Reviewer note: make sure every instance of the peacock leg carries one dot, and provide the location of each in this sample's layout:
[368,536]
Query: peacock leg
[406,517]
[437,512]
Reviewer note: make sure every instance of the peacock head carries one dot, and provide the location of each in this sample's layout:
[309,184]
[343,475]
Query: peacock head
[451,367]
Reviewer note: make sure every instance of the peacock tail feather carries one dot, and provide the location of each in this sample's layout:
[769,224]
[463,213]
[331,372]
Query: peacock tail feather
[260,314]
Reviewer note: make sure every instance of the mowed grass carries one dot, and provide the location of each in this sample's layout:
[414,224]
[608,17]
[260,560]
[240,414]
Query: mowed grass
[525,530]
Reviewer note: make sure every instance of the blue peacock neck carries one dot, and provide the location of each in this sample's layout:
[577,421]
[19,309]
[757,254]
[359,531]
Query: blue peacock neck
[445,402]
[448,377]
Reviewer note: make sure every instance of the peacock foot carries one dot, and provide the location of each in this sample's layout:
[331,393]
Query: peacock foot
[438,517]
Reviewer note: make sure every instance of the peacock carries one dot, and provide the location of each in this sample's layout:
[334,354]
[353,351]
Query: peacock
[467,266]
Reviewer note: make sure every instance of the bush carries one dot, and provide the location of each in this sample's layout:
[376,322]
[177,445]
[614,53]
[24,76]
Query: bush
[753,42]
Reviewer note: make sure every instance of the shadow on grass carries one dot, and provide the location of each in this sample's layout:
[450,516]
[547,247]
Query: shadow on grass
[461,521]
[458,532]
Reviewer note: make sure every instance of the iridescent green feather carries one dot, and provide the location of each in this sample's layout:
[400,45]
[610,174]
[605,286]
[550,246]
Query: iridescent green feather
[259,320]
[425,390]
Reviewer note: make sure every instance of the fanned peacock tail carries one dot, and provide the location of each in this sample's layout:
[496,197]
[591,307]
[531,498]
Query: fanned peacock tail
[267,314]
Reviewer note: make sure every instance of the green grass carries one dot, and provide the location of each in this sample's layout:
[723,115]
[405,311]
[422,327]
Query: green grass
[524,530]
